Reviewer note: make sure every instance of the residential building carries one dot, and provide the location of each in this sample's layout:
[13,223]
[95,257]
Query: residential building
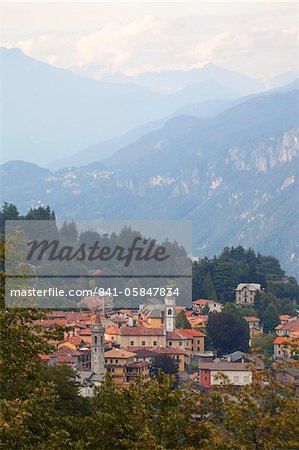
[176,339]
[197,339]
[245,293]
[209,373]
[288,376]
[255,326]
[123,367]
[142,337]
[181,356]
[283,347]
[289,328]
[211,305]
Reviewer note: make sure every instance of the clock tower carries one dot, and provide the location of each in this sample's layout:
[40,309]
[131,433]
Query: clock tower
[169,302]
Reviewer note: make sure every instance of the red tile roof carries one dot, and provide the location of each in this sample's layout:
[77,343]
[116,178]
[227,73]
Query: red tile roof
[76,340]
[112,329]
[191,333]
[292,325]
[44,357]
[169,350]
[174,336]
[202,301]
[118,353]
[283,339]
[85,332]
[251,319]
[141,331]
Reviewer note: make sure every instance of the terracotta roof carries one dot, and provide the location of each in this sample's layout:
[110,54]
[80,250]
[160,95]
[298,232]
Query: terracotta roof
[76,340]
[85,332]
[141,352]
[119,353]
[126,311]
[44,357]
[252,319]
[292,325]
[51,322]
[284,317]
[203,301]
[191,333]
[66,355]
[168,350]
[174,336]
[283,339]
[141,331]
[112,329]
[118,319]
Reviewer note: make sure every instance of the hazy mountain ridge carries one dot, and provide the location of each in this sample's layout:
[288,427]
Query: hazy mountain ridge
[235,179]
[62,113]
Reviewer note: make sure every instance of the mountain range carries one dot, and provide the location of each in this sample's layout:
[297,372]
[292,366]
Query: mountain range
[51,113]
[234,175]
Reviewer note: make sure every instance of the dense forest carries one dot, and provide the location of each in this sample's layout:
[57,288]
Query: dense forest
[214,278]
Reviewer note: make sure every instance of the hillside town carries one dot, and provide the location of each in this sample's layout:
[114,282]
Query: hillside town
[129,343]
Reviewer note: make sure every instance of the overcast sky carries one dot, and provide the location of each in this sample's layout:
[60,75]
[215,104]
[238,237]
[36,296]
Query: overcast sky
[260,39]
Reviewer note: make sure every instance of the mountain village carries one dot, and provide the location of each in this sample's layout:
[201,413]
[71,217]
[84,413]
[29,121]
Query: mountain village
[125,343]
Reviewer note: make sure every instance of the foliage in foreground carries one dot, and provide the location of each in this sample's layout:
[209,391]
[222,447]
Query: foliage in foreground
[37,409]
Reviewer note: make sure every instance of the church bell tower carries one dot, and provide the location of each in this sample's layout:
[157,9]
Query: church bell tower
[169,302]
[97,348]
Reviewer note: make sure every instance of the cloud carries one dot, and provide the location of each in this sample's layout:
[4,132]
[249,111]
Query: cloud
[114,44]
[148,44]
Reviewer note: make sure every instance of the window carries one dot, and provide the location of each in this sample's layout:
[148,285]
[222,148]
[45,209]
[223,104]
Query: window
[170,343]
[142,342]
[246,379]
[154,343]
[236,379]
[95,340]
[111,361]
[116,361]
[132,343]
[112,370]
[180,343]
[169,312]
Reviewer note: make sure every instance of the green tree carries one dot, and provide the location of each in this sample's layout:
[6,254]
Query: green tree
[164,363]
[68,399]
[264,343]
[8,212]
[270,319]
[228,333]
[69,233]
[181,320]
[208,287]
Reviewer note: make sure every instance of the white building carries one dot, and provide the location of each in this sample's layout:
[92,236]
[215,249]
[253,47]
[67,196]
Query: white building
[245,293]
[212,305]
[169,302]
